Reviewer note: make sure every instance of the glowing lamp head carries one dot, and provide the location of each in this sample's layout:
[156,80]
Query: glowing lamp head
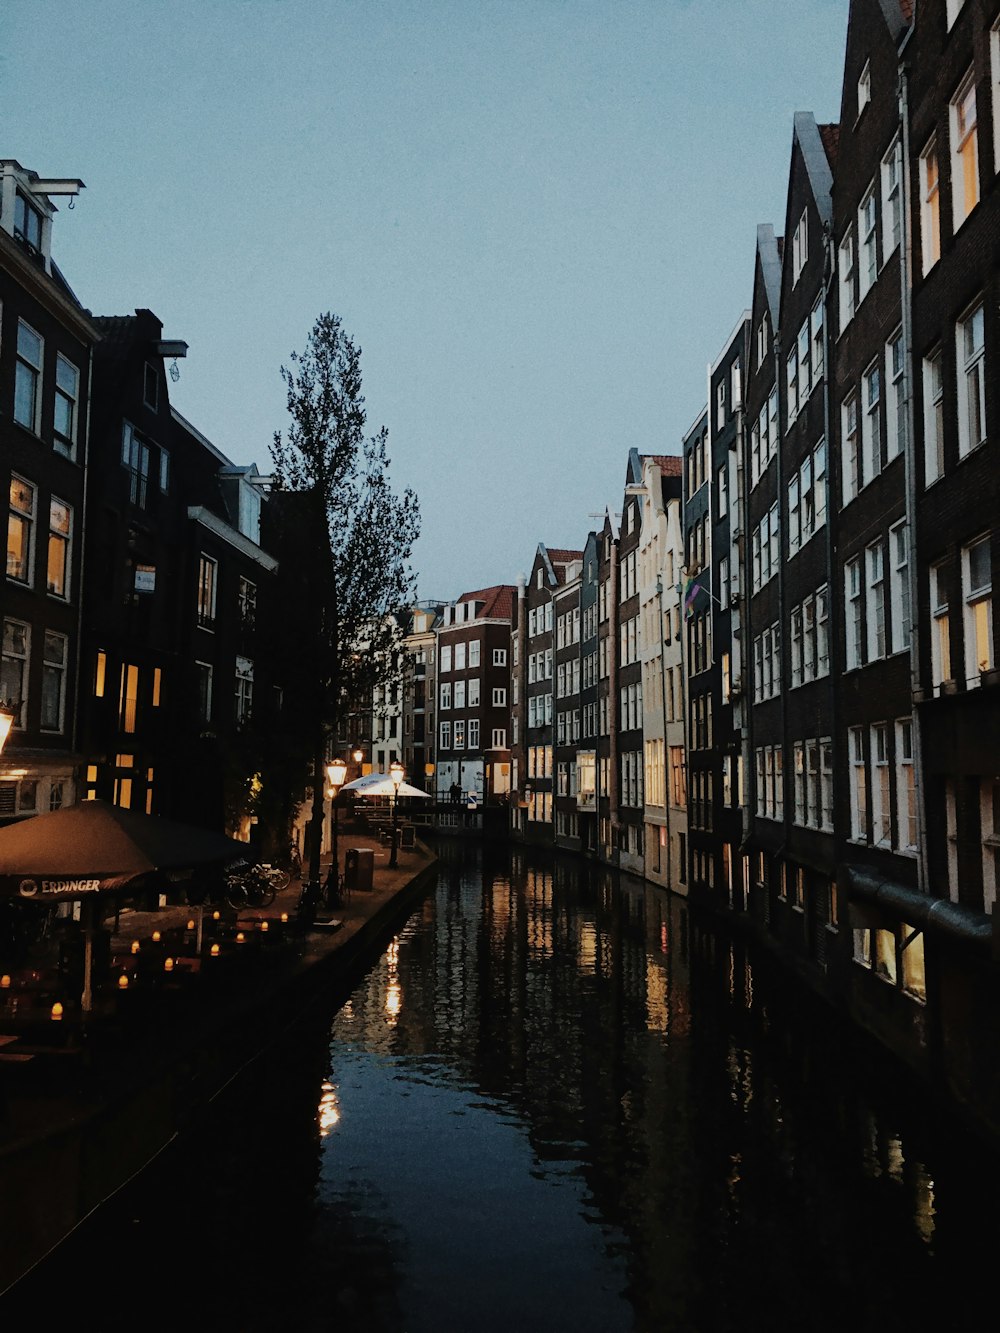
[57,1012]
[396,773]
[240,937]
[284,917]
[190,925]
[264,926]
[216,916]
[5,981]
[155,937]
[123,981]
[336,773]
[135,946]
[214,951]
[168,964]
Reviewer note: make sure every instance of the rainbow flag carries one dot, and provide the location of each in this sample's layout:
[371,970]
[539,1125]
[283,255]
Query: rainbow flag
[691,591]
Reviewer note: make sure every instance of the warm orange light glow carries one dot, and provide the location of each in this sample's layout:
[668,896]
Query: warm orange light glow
[6,722]
[168,964]
[214,951]
[123,981]
[156,937]
[190,925]
[57,1012]
[135,946]
[5,981]
[284,916]
[215,916]
[264,925]
[329,1110]
[239,937]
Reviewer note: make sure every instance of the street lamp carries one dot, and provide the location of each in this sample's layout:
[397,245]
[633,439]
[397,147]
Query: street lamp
[336,772]
[396,773]
[8,716]
[357,754]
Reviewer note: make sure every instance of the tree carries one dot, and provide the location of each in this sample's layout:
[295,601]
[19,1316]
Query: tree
[336,504]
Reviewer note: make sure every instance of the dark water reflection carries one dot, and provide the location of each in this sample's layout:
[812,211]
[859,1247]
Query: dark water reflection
[552,1104]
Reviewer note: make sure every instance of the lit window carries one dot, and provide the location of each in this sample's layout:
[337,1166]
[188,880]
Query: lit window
[964,152]
[977,592]
[20,530]
[858,784]
[14,667]
[906,797]
[60,534]
[941,631]
[207,579]
[881,821]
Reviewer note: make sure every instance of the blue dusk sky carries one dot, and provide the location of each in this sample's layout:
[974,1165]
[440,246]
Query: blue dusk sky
[535,217]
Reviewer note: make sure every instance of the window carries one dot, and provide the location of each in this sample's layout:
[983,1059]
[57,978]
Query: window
[871,425]
[845,270]
[135,457]
[764,549]
[852,624]
[763,340]
[892,209]
[881,821]
[445,695]
[28,378]
[65,410]
[164,471]
[499,738]
[800,246]
[867,244]
[722,490]
[207,577]
[14,667]
[851,460]
[875,609]
[128,697]
[499,656]
[54,658]
[864,87]
[473,733]
[989,823]
[459,694]
[474,692]
[933,418]
[895,403]
[445,735]
[460,656]
[906,799]
[60,534]
[859,784]
[941,632]
[151,387]
[930,207]
[204,672]
[899,587]
[248,603]
[964,151]
[499,697]
[20,530]
[27,224]
[474,651]
[459,734]
[446,657]
[792,383]
[977,592]
[970,350]
[995,83]
[807,498]
[816,340]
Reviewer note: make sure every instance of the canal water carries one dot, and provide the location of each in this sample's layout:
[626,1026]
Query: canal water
[554,1102]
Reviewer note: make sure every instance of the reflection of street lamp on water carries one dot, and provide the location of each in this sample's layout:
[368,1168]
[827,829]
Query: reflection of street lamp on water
[336,772]
[396,773]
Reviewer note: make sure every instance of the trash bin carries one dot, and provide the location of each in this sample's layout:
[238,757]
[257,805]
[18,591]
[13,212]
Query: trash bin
[359,868]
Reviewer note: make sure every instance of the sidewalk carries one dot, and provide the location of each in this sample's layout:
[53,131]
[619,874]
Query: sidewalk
[90,1101]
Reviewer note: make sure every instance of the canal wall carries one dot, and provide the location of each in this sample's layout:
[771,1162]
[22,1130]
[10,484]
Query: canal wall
[90,1139]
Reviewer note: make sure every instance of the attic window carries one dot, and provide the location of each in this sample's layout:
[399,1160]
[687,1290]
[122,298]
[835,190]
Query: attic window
[27,224]
[864,87]
[151,387]
[800,246]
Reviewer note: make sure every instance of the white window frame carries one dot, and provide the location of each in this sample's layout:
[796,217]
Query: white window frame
[900,626]
[930,206]
[978,612]
[60,539]
[54,667]
[964,142]
[67,395]
[892,199]
[875,601]
[906,796]
[852,614]
[499,656]
[845,279]
[858,778]
[864,88]
[27,520]
[850,449]
[971,378]
[895,396]
[933,383]
[800,246]
[871,424]
[867,243]
[29,373]
[941,666]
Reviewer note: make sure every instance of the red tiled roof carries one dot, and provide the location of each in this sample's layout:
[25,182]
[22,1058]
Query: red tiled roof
[906,9]
[669,464]
[563,557]
[830,135]
[498,601]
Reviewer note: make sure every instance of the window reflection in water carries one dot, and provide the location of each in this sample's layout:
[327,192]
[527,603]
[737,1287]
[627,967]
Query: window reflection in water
[328,1112]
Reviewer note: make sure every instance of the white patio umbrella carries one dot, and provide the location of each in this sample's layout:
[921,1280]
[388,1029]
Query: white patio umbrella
[381,784]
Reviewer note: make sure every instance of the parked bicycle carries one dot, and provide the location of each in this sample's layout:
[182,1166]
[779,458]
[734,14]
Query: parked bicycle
[254,885]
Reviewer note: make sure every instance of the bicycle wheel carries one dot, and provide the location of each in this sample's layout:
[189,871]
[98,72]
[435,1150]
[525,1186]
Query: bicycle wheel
[278,879]
[236,895]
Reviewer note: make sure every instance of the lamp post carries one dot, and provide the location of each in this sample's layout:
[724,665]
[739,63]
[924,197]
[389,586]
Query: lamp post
[396,773]
[336,772]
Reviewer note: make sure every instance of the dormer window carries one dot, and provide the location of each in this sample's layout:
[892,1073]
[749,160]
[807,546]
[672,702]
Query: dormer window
[27,224]
[864,87]
[800,246]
